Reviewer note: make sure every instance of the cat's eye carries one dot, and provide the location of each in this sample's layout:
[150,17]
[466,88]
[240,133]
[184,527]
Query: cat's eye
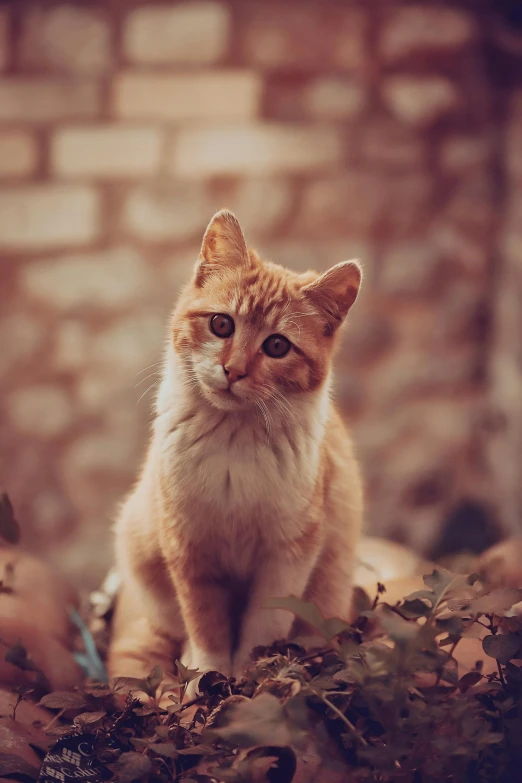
[222,325]
[276,346]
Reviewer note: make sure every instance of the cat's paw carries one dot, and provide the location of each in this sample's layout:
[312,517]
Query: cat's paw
[204,662]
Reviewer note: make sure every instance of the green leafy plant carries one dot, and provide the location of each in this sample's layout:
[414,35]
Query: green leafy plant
[381,700]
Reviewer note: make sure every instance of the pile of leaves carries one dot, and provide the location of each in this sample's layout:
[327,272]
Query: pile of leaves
[381,700]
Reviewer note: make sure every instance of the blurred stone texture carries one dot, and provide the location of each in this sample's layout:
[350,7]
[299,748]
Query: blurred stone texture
[387,131]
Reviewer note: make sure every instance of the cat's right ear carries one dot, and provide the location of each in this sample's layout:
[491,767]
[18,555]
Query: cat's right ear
[223,246]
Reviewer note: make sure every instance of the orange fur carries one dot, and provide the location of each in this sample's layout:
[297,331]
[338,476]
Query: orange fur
[250,489]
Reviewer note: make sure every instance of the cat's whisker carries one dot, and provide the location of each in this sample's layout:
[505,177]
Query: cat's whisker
[266,415]
[281,402]
[147,390]
[265,418]
[282,407]
[156,372]
[190,383]
[149,367]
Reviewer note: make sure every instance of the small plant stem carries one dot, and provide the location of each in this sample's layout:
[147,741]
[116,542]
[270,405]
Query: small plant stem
[53,721]
[343,717]
[450,656]
[487,627]
[163,761]
[19,700]
[191,703]
[314,655]
[125,714]
[501,675]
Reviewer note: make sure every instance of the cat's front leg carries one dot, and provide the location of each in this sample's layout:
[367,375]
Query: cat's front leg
[204,605]
[278,577]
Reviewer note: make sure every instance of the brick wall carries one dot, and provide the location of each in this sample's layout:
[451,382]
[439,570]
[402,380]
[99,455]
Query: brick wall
[387,131]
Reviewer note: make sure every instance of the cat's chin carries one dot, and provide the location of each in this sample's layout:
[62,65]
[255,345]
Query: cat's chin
[224,400]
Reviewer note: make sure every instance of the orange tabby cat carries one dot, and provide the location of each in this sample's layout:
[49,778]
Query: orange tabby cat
[250,489]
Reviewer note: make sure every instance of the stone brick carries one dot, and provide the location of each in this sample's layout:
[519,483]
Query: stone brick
[348,40]
[347,204]
[421,30]
[466,315]
[319,254]
[40,411]
[130,343]
[178,267]
[189,33]
[174,211]
[332,98]
[98,459]
[470,205]
[35,217]
[412,268]
[411,373]
[462,251]
[287,38]
[262,205]
[391,145]
[106,152]
[21,336]
[461,153]
[189,96]
[65,38]
[409,205]
[258,149]
[419,101]
[109,279]
[47,99]
[97,451]
[71,350]
[297,98]
[18,154]
[4,37]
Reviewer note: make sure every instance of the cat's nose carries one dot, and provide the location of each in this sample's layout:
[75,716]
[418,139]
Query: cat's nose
[233,374]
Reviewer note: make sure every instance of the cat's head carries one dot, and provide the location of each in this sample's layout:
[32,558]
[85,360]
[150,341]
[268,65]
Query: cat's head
[250,332]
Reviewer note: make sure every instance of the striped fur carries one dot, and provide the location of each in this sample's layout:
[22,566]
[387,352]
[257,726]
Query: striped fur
[250,489]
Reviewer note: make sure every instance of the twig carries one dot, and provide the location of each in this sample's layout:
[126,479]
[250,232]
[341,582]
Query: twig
[343,717]
[53,721]
[314,655]
[487,627]
[450,656]
[191,703]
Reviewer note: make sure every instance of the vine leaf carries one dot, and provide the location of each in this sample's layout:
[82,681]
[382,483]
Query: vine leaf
[133,766]
[308,611]
[501,646]
[63,700]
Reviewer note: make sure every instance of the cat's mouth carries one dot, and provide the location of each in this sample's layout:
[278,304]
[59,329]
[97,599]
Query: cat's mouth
[224,399]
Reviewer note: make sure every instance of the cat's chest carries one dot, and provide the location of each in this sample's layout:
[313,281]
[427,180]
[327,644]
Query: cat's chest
[232,474]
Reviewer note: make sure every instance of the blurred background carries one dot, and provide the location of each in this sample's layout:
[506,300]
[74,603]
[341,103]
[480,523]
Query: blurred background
[388,131]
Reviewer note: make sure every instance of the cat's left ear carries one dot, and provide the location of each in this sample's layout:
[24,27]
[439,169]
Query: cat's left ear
[223,246]
[335,291]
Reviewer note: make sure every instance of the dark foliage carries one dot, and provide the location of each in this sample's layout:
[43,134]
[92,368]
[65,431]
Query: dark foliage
[381,700]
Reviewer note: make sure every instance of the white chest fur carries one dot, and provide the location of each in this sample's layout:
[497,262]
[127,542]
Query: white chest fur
[226,469]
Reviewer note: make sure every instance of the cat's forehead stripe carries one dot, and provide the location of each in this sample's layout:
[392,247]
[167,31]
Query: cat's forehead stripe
[262,296]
